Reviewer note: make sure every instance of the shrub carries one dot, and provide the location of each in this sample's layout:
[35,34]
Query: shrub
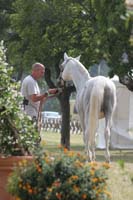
[65,176]
[17,132]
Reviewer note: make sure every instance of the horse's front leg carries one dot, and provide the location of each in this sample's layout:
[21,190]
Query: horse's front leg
[81,117]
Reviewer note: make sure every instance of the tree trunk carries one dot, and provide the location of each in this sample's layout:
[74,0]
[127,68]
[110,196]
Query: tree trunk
[65,108]
[65,127]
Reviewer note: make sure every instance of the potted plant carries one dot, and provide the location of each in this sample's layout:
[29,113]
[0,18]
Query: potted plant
[17,133]
[66,176]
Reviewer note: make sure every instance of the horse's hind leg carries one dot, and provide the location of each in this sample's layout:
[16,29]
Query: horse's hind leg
[90,130]
[91,125]
[108,106]
[87,146]
[107,138]
[90,147]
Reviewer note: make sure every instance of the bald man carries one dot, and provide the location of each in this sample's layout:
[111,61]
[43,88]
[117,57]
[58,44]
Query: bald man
[31,92]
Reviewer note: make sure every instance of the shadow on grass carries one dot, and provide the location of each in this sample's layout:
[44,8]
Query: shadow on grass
[125,155]
[117,154]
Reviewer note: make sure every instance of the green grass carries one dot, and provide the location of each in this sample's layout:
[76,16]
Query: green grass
[52,141]
[120,174]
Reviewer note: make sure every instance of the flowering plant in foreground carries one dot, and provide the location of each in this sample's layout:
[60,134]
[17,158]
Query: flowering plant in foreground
[65,176]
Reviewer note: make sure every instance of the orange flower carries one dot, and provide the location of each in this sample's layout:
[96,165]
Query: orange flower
[65,150]
[78,154]
[71,153]
[39,169]
[28,186]
[84,196]
[78,163]
[106,165]
[22,163]
[47,160]
[98,191]
[17,198]
[94,187]
[94,165]
[94,180]
[30,191]
[74,177]
[20,185]
[56,183]
[49,189]
[92,172]
[76,189]
[58,195]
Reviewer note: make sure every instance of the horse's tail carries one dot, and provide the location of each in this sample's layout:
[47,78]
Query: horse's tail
[96,99]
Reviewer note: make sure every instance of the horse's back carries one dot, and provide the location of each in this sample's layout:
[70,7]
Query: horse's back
[105,90]
[102,90]
[100,84]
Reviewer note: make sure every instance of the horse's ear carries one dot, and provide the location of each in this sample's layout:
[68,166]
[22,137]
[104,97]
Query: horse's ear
[78,58]
[65,56]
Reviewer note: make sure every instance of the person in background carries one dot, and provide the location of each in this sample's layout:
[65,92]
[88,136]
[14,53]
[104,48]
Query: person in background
[31,91]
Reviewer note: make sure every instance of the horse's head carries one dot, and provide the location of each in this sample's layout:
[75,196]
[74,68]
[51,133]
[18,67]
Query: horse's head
[66,66]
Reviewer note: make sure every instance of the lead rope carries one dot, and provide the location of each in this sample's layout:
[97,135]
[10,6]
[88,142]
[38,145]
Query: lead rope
[39,117]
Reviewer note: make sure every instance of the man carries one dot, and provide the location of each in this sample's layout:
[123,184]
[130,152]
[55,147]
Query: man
[31,92]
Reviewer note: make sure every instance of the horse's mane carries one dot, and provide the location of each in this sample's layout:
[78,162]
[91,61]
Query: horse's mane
[81,67]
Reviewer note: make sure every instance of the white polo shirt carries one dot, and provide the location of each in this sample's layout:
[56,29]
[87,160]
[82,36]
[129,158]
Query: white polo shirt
[29,87]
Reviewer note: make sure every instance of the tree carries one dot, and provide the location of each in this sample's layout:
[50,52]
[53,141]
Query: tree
[114,26]
[5,11]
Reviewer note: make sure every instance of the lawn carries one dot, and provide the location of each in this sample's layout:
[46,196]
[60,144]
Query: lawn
[120,174]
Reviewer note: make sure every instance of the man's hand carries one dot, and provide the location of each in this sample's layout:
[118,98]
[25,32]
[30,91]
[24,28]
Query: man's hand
[45,94]
[53,91]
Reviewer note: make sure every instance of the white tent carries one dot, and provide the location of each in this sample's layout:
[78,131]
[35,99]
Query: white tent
[122,129]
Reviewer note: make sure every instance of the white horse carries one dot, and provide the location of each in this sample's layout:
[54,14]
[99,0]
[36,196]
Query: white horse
[95,99]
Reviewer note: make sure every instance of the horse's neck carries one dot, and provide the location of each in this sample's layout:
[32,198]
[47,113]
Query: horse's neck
[79,79]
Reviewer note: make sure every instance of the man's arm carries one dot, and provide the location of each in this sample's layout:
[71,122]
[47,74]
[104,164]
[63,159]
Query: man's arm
[38,97]
[41,97]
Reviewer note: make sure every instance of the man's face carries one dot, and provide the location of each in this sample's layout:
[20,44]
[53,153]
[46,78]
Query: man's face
[40,72]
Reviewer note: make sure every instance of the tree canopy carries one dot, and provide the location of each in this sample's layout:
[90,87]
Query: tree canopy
[43,30]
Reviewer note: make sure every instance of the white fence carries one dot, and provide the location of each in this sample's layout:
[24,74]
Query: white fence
[54,125]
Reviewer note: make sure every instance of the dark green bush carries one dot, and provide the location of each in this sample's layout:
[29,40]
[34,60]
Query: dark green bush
[17,132]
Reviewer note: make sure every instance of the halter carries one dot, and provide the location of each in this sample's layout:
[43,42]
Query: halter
[61,71]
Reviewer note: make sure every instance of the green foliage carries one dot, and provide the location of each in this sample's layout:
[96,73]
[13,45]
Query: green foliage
[62,177]
[46,29]
[17,132]
[5,11]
